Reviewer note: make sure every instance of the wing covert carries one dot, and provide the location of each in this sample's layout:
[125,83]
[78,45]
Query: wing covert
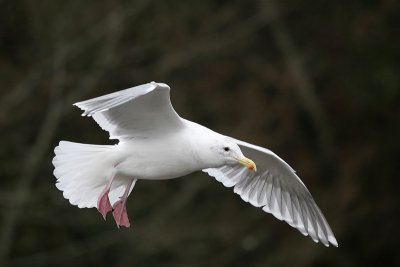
[137,112]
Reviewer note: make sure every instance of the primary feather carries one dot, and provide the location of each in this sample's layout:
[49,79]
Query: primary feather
[278,190]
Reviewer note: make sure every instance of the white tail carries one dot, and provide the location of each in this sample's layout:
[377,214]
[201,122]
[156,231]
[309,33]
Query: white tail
[82,172]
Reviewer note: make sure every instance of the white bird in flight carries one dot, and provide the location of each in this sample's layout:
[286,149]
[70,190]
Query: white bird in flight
[156,144]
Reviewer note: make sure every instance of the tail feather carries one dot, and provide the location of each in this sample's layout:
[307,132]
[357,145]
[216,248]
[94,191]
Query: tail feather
[82,172]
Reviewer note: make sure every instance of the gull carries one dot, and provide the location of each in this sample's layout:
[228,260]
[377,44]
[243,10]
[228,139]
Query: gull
[155,143]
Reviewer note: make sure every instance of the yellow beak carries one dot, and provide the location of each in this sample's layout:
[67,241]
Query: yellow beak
[248,163]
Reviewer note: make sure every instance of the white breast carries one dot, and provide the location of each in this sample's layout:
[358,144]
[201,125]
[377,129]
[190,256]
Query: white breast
[156,159]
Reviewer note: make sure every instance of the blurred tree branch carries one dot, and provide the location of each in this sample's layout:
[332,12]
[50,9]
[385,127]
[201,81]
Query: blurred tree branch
[20,92]
[302,82]
[33,158]
[234,36]
[101,242]
[49,125]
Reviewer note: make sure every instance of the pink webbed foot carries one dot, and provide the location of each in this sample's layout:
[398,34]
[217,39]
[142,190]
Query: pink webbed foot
[103,203]
[120,214]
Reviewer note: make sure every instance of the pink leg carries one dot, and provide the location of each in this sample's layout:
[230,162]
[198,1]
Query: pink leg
[103,203]
[119,208]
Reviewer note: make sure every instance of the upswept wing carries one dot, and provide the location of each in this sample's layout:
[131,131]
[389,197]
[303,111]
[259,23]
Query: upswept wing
[137,112]
[278,190]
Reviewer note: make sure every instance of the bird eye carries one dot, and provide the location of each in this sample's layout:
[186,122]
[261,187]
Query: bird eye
[226,148]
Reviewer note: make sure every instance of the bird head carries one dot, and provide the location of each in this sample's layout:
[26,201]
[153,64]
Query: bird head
[229,153]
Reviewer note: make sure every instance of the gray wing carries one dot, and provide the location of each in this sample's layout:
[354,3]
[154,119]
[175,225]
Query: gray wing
[278,190]
[137,112]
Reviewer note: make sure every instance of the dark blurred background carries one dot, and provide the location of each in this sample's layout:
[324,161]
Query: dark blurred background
[316,82]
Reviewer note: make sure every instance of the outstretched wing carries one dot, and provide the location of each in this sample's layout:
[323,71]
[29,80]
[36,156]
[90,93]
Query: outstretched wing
[137,112]
[278,190]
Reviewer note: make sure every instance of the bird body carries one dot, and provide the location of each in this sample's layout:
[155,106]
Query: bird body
[159,158]
[156,144]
